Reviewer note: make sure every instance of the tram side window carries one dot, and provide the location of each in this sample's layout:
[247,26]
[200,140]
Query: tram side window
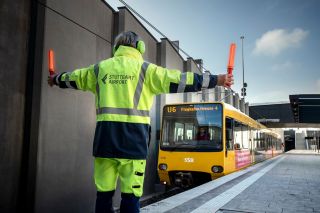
[245,137]
[229,134]
[259,141]
[261,147]
[263,141]
[238,134]
[278,146]
[255,143]
[274,144]
[269,141]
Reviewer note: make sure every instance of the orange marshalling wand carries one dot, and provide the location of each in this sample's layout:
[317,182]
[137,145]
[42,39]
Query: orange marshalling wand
[51,62]
[231,58]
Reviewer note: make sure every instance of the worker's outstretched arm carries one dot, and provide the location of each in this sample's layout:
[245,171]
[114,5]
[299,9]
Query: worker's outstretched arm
[83,79]
[162,80]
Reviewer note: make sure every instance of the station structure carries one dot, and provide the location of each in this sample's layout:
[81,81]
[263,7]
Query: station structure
[46,134]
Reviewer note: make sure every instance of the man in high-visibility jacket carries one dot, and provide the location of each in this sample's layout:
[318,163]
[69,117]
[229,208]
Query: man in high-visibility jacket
[124,87]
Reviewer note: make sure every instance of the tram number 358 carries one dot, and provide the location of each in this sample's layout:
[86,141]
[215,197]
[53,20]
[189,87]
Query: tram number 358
[188,160]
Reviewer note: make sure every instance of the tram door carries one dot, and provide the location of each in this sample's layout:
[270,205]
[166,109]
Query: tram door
[251,146]
[229,164]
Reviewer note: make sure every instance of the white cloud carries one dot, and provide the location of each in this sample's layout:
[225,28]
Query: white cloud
[275,41]
[286,66]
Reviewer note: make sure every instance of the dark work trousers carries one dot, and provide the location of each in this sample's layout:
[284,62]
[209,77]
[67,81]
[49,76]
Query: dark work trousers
[104,202]
[129,203]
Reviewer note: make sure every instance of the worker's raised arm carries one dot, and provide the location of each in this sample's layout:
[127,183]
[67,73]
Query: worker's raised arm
[83,79]
[162,80]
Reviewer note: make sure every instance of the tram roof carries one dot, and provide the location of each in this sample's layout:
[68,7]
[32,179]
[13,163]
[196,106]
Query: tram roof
[232,108]
[263,127]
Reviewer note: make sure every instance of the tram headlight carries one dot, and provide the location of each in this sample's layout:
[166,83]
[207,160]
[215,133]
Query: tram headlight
[217,169]
[163,166]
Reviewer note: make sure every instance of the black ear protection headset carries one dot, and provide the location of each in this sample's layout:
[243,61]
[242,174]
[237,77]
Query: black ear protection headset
[130,39]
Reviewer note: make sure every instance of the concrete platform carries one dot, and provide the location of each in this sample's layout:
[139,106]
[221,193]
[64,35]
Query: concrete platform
[304,152]
[287,183]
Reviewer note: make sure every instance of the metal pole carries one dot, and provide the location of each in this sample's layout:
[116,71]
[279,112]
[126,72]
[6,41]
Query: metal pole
[242,37]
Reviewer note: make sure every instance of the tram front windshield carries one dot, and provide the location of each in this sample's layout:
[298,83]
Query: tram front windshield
[192,127]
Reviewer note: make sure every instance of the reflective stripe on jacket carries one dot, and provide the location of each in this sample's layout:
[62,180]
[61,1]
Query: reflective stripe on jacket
[124,88]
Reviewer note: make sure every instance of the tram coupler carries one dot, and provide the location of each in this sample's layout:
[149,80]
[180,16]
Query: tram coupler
[183,179]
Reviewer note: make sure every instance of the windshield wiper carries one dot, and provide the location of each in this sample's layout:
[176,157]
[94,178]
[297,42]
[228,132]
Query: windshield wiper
[182,145]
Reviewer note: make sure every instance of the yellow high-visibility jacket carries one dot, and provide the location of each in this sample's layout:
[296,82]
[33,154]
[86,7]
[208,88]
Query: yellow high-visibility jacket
[124,87]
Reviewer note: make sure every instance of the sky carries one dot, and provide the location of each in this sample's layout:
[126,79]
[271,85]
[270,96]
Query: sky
[281,44]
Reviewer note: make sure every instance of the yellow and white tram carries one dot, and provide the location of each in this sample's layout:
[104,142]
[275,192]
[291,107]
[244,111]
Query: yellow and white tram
[203,141]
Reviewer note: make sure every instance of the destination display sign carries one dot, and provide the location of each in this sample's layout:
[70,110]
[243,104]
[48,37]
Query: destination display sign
[190,108]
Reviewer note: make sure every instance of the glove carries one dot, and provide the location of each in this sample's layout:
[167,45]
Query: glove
[225,80]
[52,80]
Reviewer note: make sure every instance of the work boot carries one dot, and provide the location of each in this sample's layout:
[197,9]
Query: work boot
[104,202]
[129,203]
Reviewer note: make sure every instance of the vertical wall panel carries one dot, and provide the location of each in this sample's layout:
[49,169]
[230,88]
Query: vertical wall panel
[242,105]
[228,96]
[211,94]
[236,100]
[191,66]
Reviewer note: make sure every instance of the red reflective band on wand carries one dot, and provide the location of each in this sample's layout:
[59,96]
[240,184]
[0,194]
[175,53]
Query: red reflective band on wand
[51,62]
[231,58]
